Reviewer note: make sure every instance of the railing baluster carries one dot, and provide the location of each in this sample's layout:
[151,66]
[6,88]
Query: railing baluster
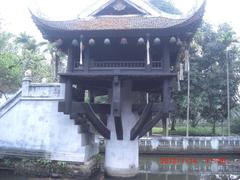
[123,64]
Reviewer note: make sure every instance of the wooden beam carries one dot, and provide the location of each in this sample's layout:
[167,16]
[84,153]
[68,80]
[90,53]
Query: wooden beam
[91,96]
[141,122]
[80,121]
[70,62]
[164,125]
[96,122]
[166,68]
[86,57]
[81,50]
[107,74]
[61,106]
[77,107]
[116,97]
[166,57]
[116,106]
[103,118]
[118,127]
[68,97]
[148,51]
[166,96]
[155,107]
[84,128]
[74,116]
[98,108]
[151,123]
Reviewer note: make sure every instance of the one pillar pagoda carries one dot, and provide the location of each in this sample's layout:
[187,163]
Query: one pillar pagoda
[123,50]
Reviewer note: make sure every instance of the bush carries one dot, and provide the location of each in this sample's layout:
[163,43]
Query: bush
[235,126]
[181,131]
[157,130]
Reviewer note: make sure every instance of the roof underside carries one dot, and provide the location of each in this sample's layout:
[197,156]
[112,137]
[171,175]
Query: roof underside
[119,23]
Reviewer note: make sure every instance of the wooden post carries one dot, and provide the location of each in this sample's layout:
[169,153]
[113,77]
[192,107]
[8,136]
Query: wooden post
[164,125]
[147,100]
[91,97]
[116,106]
[166,68]
[86,58]
[68,97]
[166,58]
[70,63]
[148,51]
[81,50]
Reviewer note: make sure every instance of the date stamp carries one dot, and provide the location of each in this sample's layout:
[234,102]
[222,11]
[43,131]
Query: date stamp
[191,160]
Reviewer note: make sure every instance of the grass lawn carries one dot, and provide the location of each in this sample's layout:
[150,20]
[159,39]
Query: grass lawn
[198,131]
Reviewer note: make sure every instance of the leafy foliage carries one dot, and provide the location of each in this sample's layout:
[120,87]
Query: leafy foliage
[10,68]
[32,58]
[58,58]
[208,76]
[17,54]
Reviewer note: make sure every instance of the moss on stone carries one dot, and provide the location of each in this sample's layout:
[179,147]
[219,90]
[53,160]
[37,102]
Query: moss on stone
[48,168]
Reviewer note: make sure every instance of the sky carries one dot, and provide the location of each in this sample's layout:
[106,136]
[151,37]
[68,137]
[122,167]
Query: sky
[16,17]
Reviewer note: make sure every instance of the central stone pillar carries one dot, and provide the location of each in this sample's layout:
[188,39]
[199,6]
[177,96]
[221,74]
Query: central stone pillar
[121,156]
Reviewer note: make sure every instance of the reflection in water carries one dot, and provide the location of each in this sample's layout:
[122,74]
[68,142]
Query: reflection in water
[190,167]
[156,167]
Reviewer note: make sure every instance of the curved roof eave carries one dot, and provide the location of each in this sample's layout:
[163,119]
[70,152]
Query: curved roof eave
[143,22]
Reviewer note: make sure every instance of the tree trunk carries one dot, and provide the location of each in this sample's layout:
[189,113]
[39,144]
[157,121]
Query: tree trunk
[150,132]
[173,123]
[214,128]
[56,68]
[164,125]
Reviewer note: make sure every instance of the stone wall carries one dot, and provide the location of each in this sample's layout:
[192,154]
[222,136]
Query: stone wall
[184,145]
[30,121]
[190,145]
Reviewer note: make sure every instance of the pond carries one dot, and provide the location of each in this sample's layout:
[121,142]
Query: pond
[179,167]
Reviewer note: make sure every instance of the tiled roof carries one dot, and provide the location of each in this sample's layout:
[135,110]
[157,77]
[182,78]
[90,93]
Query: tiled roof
[113,23]
[102,23]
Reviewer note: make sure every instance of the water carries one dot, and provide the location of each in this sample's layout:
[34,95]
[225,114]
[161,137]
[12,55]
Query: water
[156,167]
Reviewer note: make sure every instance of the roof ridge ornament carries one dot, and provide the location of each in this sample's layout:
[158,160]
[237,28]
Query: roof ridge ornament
[119,5]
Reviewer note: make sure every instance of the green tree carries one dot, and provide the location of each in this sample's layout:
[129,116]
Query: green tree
[235,120]
[208,76]
[17,54]
[10,65]
[56,58]
[32,58]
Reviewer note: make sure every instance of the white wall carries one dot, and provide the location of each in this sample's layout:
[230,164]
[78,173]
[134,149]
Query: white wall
[34,123]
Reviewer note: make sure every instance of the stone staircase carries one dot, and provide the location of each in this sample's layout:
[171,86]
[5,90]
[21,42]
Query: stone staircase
[30,121]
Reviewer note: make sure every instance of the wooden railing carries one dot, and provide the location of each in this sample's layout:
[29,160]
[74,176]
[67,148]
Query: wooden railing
[120,64]
[157,64]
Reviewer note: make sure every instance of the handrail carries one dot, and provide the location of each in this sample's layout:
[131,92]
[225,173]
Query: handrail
[10,103]
[126,64]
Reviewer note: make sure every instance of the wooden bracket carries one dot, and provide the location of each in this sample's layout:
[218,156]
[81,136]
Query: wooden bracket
[96,122]
[149,125]
[146,115]
[116,107]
